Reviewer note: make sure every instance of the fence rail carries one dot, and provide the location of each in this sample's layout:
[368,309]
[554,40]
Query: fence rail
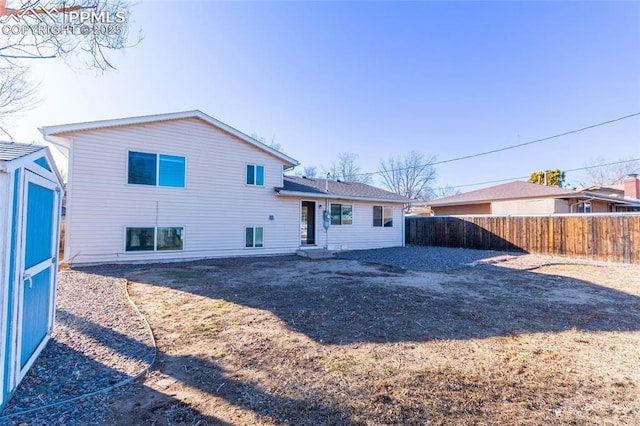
[611,237]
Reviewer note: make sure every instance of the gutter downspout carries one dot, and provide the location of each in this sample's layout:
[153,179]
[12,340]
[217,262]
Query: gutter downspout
[404,243]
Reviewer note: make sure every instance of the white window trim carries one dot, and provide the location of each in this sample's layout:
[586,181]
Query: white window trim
[255,176]
[155,240]
[157,185]
[383,209]
[244,238]
[342,214]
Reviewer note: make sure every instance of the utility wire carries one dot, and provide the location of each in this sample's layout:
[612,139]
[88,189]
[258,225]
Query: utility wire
[493,151]
[526,177]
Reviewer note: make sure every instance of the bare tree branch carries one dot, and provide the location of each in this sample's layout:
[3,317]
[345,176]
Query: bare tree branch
[81,32]
[16,94]
[608,175]
[346,170]
[409,176]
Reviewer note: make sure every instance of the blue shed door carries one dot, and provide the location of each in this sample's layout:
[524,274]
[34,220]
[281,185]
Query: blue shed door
[36,296]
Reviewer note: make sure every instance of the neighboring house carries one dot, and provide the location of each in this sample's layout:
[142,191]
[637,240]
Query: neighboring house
[525,198]
[185,185]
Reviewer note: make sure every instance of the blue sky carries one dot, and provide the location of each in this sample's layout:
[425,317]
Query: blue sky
[442,78]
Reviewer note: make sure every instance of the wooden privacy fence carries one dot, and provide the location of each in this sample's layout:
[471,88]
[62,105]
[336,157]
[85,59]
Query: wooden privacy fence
[611,237]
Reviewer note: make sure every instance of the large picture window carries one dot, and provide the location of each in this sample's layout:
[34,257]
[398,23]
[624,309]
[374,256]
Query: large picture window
[254,237]
[255,175]
[341,214]
[156,169]
[154,239]
[383,216]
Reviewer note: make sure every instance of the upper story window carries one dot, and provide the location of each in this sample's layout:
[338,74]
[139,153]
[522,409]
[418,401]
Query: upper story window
[341,214]
[156,169]
[383,216]
[255,175]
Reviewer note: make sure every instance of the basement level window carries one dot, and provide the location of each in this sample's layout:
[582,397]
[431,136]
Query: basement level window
[254,237]
[154,239]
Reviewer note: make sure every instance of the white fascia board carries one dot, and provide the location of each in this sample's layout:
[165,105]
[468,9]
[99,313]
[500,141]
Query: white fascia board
[49,131]
[62,144]
[337,197]
[615,200]
[497,200]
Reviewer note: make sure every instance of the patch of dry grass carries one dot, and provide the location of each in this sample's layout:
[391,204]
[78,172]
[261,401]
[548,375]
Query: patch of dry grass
[256,353]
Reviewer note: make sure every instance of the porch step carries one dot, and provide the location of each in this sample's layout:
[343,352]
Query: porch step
[316,253]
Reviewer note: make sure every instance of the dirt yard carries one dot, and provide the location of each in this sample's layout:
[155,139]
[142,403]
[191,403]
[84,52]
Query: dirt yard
[339,342]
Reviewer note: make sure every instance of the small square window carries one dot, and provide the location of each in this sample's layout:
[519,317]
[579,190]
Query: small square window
[341,214]
[254,237]
[383,216]
[255,175]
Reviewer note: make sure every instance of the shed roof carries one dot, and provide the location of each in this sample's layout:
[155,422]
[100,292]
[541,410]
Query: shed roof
[10,151]
[316,188]
[506,191]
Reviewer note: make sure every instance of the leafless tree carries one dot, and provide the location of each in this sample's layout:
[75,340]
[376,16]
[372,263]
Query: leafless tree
[273,144]
[446,191]
[609,174]
[81,32]
[308,171]
[408,176]
[346,170]
[16,95]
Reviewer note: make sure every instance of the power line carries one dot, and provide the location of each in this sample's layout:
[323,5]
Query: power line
[493,151]
[525,177]
[538,140]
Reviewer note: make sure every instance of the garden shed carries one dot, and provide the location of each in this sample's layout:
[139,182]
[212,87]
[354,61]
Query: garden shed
[30,202]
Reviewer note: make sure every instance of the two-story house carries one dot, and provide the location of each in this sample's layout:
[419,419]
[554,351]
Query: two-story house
[185,186]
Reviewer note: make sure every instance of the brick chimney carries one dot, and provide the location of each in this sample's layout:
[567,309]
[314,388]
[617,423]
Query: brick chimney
[632,186]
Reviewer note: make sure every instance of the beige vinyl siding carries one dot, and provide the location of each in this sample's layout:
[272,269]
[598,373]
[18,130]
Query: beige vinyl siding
[361,234]
[214,208]
[538,206]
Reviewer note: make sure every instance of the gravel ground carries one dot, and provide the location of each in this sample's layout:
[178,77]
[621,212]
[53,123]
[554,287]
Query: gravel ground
[99,341]
[434,259]
[439,259]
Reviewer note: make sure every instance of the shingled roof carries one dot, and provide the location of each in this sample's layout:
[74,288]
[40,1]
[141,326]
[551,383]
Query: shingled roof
[311,187]
[12,150]
[506,191]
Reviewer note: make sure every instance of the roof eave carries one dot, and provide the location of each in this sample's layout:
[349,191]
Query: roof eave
[466,203]
[64,129]
[329,195]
